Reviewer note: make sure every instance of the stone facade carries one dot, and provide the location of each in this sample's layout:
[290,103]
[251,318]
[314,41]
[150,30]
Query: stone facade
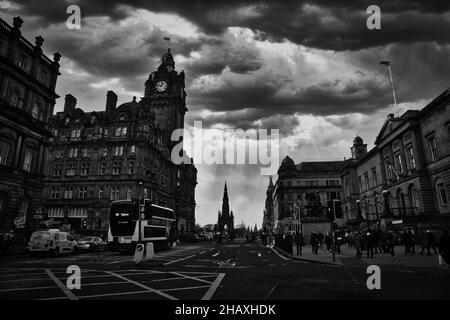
[27,98]
[304,190]
[411,158]
[268,218]
[122,152]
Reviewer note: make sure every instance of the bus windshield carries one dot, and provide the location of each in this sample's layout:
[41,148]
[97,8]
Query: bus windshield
[120,218]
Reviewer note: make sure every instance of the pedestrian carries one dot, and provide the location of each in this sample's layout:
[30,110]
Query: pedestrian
[337,242]
[370,244]
[406,242]
[299,242]
[431,242]
[320,238]
[328,241]
[444,246]
[390,242]
[412,244]
[423,242]
[357,242]
[314,242]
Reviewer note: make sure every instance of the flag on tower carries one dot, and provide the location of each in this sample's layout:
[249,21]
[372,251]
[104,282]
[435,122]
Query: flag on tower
[386,63]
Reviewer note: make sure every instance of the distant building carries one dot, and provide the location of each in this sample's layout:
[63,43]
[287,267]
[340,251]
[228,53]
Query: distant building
[268,219]
[405,178]
[27,98]
[302,194]
[225,218]
[121,152]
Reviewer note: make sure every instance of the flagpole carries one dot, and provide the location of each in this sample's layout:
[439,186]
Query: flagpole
[392,86]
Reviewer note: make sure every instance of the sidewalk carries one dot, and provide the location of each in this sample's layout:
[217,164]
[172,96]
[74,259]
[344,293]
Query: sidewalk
[415,260]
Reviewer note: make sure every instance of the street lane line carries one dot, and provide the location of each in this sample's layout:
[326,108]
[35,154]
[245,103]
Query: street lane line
[203,252]
[54,287]
[167,263]
[186,288]
[142,286]
[271,290]
[208,295]
[66,291]
[192,278]
[284,258]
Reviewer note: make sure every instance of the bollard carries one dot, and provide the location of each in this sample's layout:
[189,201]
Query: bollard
[149,251]
[138,253]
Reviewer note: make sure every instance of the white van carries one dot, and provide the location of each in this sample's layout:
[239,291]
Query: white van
[52,241]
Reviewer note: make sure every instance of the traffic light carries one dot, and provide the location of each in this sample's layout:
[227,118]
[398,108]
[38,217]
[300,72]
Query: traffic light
[84,223]
[338,210]
[135,210]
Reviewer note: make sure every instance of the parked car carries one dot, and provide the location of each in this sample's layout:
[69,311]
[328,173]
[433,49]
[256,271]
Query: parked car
[91,243]
[52,241]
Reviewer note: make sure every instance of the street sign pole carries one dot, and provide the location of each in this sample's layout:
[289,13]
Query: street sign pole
[332,232]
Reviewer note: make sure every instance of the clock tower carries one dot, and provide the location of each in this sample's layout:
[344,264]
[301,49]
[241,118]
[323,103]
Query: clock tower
[165,95]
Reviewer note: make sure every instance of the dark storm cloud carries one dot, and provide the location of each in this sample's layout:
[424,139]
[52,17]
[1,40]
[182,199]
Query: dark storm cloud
[337,25]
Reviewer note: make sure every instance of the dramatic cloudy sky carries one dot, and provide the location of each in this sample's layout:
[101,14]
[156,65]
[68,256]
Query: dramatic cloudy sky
[308,68]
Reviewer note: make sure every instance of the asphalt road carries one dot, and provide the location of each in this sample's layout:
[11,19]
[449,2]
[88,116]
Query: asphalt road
[227,271]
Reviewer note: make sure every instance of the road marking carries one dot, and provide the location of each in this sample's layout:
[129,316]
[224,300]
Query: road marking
[284,258]
[271,290]
[119,261]
[167,263]
[64,288]
[192,278]
[53,287]
[186,288]
[203,252]
[355,281]
[142,286]
[208,295]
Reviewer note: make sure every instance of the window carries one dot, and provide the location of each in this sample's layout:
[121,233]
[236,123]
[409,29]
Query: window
[73,152]
[411,159]
[132,149]
[117,168]
[54,193]
[442,192]
[92,119]
[43,76]
[105,152]
[117,132]
[118,151]
[374,177]
[433,148]
[366,180]
[115,193]
[57,170]
[85,169]
[35,112]
[71,169]
[16,99]
[100,192]
[4,150]
[27,161]
[124,132]
[398,163]
[360,184]
[131,168]
[103,168]
[129,193]
[22,61]
[67,121]
[86,152]
[82,193]
[75,133]
[68,193]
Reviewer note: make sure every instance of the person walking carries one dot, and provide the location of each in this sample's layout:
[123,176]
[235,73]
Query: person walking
[357,243]
[406,242]
[412,243]
[314,242]
[299,242]
[328,241]
[390,242]
[431,242]
[423,242]
[370,244]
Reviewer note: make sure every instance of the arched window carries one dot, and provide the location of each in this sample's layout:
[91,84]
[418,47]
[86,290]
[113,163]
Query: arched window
[36,111]
[4,152]
[400,202]
[16,98]
[413,198]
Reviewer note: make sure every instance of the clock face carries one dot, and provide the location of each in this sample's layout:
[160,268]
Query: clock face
[161,86]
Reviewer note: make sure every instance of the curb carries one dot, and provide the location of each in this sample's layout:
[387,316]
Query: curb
[290,256]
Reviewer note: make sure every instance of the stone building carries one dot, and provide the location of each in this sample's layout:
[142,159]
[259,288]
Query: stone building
[27,98]
[120,152]
[225,219]
[405,178]
[304,191]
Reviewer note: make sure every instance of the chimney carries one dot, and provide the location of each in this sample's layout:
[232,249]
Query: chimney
[70,103]
[111,101]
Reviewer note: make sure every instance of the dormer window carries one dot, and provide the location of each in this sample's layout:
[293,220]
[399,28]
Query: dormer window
[67,121]
[92,119]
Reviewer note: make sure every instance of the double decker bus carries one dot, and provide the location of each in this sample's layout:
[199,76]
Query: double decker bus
[132,222]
